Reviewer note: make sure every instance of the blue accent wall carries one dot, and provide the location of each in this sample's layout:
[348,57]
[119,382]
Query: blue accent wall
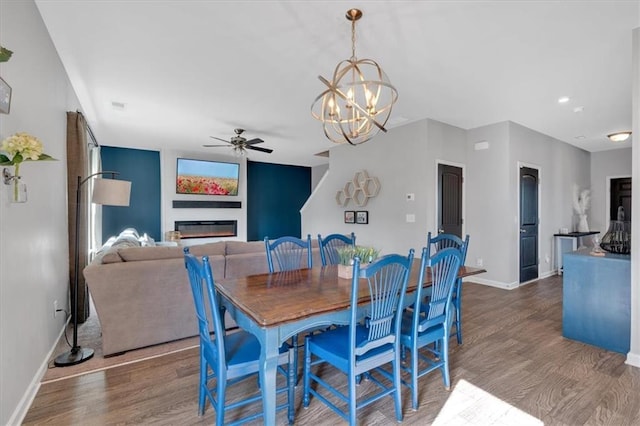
[142,168]
[275,195]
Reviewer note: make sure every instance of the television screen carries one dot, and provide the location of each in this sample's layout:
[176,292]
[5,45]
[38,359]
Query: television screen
[207,177]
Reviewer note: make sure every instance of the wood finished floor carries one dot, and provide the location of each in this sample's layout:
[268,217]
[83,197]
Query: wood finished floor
[513,368]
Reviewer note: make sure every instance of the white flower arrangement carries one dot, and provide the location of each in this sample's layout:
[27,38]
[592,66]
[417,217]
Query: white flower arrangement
[581,200]
[21,147]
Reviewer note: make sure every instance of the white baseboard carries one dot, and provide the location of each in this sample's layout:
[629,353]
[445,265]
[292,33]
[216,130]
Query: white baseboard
[633,359]
[27,399]
[491,283]
[548,274]
[508,286]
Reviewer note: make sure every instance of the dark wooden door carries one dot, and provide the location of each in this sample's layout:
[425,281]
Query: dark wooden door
[620,196]
[449,200]
[528,224]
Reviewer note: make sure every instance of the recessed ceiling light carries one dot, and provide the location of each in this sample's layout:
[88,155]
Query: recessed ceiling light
[619,136]
[118,106]
[563,100]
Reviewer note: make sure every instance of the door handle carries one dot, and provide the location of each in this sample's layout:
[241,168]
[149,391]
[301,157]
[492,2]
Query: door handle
[440,231]
[523,231]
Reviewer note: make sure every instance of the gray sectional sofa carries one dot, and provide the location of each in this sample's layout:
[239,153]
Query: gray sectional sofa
[142,294]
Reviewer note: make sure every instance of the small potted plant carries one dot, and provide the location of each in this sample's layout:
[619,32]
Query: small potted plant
[348,253]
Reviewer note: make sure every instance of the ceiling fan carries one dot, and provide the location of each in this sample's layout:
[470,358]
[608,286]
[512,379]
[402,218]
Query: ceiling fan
[240,144]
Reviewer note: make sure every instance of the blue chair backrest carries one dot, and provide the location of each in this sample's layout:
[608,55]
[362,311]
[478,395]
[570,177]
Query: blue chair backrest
[330,244]
[442,241]
[203,289]
[384,282]
[443,267]
[289,253]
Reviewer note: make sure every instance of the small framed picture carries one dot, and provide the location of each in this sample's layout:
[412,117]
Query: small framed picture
[362,217]
[349,216]
[5,97]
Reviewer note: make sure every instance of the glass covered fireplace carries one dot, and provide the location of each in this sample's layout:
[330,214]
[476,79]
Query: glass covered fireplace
[206,228]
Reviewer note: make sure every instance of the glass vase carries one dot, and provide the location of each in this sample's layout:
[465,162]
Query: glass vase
[18,191]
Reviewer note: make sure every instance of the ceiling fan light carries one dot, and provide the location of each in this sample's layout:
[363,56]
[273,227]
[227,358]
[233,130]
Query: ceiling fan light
[619,136]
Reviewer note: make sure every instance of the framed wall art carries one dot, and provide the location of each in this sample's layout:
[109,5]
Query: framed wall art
[5,97]
[362,217]
[349,216]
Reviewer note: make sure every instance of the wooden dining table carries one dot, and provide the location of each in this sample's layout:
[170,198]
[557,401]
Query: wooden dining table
[277,306]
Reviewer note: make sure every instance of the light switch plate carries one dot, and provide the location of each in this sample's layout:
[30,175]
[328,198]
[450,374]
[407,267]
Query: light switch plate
[411,196]
[411,218]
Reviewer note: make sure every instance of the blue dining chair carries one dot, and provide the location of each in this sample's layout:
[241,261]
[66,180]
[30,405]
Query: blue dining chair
[370,341]
[330,244]
[289,253]
[429,323]
[230,358]
[442,241]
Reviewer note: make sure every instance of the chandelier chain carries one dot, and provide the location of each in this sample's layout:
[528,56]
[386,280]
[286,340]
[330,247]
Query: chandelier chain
[353,40]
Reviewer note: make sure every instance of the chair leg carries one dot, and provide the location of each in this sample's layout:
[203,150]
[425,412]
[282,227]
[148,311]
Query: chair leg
[445,362]
[203,386]
[458,309]
[414,377]
[397,384]
[352,400]
[293,354]
[221,390]
[305,374]
[294,342]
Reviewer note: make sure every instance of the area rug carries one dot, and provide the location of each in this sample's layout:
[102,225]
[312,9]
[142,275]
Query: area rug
[89,336]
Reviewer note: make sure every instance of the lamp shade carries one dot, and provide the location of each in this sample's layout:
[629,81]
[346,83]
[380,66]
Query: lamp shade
[111,192]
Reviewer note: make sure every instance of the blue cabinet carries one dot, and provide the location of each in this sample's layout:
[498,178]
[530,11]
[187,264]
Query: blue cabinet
[596,305]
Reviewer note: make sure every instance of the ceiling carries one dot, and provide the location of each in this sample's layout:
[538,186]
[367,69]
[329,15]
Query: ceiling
[187,70]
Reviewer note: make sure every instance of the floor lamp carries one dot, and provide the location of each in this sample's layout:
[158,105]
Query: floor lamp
[108,192]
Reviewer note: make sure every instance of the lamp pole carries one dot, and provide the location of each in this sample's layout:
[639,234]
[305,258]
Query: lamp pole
[77,354]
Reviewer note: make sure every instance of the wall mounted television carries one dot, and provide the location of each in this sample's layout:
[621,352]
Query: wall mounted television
[205,177]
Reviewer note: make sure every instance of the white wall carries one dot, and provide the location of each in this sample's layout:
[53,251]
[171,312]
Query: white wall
[317,172]
[322,214]
[33,247]
[606,165]
[489,204]
[405,161]
[168,188]
[560,167]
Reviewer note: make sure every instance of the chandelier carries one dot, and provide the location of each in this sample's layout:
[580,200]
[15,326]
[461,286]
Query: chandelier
[359,98]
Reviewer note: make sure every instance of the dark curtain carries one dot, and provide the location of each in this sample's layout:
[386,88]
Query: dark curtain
[77,165]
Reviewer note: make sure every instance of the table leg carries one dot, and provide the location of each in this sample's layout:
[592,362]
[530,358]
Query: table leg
[268,369]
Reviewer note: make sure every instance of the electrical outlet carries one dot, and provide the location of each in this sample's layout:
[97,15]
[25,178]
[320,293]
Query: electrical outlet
[55,308]
[547,258]
[479,262]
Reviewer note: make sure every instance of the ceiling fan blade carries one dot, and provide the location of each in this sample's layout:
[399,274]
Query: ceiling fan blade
[213,146]
[213,137]
[257,148]
[253,141]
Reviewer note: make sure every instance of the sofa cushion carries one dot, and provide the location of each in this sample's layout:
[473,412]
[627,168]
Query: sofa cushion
[108,255]
[240,247]
[209,249]
[241,265]
[134,254]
